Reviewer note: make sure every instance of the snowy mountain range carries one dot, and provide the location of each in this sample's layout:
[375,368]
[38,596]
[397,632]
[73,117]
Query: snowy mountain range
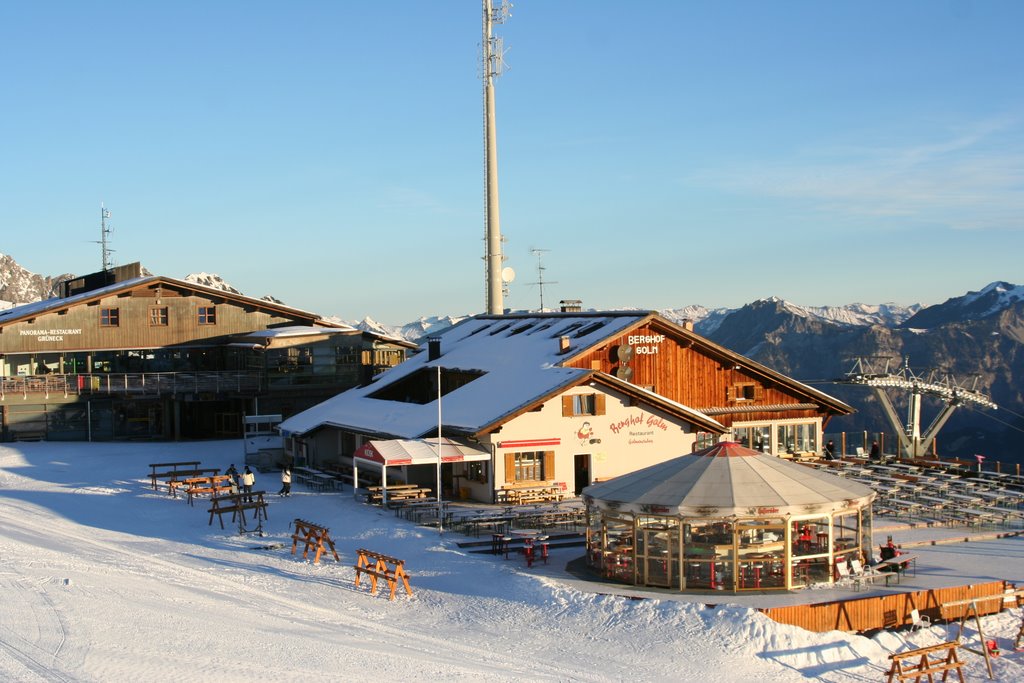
[977,338]
[18,286]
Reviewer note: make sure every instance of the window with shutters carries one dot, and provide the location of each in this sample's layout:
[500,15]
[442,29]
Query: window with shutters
[744,391]
[529,466]
[575,405]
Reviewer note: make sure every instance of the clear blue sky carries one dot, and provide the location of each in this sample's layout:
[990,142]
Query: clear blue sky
[662,153]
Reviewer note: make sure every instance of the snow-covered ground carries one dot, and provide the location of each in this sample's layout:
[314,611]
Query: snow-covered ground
[104,579]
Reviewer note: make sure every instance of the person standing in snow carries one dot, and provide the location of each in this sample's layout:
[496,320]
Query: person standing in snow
[248,481]
[233,473]
[286,481]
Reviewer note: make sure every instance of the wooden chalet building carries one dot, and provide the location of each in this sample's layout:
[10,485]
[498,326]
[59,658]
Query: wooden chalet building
[567,399]
[122,355]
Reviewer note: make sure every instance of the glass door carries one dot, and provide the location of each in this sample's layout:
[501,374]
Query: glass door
[656,554]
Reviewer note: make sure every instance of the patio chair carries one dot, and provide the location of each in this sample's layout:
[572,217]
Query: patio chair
[860,573]
[843,575]
[919,621]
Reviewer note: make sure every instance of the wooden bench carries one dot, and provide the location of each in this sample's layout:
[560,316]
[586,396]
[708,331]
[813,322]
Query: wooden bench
[383,567]
[237,504]
[903,666]
[162,470]
[314,536]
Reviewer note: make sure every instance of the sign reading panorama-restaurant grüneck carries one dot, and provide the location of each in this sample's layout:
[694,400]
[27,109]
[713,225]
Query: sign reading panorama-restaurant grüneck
[49,335]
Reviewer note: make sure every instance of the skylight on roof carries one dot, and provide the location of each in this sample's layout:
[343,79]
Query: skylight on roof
[477,331]
[592,327]
[566,330]
[421,386]
[521,328]
[543,327]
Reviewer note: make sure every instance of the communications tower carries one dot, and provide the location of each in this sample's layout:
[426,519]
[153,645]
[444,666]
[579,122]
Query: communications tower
[493,65]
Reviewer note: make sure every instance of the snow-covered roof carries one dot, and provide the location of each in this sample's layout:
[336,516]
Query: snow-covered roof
[728,480]
[298,331]
[519,361]
[56,303]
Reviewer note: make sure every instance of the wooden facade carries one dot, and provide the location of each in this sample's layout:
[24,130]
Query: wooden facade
[155,357]
[674,362]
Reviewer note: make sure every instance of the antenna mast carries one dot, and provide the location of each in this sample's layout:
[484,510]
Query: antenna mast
[104,231]
[493,65]
[540,275]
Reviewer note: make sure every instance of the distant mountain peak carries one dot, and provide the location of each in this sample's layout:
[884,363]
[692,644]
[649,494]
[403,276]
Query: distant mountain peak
[20,286]
[210,280]
[991,300]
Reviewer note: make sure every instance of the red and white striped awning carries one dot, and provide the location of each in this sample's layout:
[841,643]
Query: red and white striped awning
[396,452]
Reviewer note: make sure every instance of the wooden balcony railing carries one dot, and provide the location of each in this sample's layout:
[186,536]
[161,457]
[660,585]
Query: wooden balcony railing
[139,384]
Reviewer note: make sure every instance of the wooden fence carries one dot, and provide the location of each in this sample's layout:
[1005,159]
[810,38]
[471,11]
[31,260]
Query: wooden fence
[887,611]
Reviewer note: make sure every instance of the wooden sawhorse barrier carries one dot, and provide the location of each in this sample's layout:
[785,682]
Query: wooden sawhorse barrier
[314,536]
[383,567]
[216,485]
[237,504]
[903,666]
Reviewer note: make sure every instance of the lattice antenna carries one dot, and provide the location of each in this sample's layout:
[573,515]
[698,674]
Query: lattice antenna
[539,253]
[105,229]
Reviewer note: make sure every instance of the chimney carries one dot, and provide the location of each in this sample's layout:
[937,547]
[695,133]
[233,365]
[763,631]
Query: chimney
[688,325]
[433,348]
[571,305]
[563,344]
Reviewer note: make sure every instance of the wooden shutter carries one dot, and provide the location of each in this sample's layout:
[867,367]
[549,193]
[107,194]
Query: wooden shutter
[599,404]
[730,393]
[549,465]
[510,468]
[567,406]
[758,392]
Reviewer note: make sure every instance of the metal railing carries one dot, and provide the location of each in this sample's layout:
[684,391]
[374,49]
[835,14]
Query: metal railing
[133,384]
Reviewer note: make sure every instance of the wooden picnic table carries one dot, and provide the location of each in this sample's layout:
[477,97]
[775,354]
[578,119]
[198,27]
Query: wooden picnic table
[520,495]
[900,563]
[398,493]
